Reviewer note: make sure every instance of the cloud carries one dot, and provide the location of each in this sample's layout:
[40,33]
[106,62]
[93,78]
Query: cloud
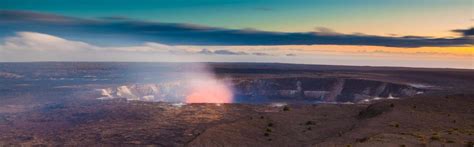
[260,54]
[325,31]
[12,16]
[33,41]
[39,42]
[123,30]
[42,42]
[50,47]
[33,46]
[229,52]
[465,32]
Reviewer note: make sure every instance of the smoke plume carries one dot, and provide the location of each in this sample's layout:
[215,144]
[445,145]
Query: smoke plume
[204,87]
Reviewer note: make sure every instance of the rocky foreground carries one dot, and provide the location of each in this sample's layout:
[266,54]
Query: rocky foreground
[437,120]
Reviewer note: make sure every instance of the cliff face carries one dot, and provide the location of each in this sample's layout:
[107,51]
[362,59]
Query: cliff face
[277,89]
[171,91]
[320,89]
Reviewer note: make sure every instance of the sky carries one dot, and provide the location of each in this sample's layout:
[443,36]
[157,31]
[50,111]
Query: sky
[409,33]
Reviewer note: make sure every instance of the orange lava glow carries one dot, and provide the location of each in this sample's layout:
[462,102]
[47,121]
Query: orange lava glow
[209,92]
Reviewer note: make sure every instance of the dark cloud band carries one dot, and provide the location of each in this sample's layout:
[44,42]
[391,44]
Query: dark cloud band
[466,32]
[123,29]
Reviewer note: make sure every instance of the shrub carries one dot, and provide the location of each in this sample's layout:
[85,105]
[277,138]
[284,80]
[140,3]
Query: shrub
[286,108]
[435,138]
[310,123]
[396,125]
[269,130]
[266,134]
[363,139]
[270,124]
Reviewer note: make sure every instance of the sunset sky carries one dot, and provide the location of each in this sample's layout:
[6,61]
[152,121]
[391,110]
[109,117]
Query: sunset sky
[410,33]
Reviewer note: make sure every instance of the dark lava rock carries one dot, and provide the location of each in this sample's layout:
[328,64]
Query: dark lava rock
[374,110]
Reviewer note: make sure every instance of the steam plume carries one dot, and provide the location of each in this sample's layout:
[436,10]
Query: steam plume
[203,86]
